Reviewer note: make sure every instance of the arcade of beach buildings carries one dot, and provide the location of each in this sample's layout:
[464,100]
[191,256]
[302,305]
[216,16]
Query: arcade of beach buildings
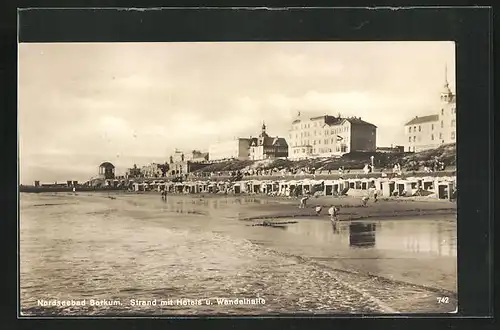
[316,137]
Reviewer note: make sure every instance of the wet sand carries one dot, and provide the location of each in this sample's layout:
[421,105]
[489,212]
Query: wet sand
[254,209]
[393,255]
[351,207]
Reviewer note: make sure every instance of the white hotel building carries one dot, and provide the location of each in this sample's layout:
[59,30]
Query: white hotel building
[431,131]
[327,136]
[234,149]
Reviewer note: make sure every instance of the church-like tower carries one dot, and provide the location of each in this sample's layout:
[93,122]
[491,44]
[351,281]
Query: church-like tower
[447,114]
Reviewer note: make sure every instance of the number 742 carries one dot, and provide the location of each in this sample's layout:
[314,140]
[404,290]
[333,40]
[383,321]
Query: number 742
[443,300]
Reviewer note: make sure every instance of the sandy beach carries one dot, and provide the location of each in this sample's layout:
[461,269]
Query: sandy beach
[391,256]
[351,206]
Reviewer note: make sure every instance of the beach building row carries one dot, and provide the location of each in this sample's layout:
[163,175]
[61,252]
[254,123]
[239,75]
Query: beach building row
[439,187]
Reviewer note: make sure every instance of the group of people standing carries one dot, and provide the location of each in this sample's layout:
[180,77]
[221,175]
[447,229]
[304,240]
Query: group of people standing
[333,210]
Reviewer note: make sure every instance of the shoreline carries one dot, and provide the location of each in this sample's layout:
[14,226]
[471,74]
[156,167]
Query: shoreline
[254,209]
[351,209]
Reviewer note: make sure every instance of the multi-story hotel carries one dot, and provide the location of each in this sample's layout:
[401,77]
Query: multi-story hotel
[267,147]
[431,131]
[233,149]
[254,148]
[327,136]
[181,163]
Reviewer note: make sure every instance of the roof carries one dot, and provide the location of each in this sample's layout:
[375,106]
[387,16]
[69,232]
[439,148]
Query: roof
[329,120]
[107,165]
[358,121]
[269,141]
[336,120]
[423,119]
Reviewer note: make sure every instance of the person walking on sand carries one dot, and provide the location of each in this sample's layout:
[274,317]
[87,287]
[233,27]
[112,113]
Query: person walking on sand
[318,209]
[334,212]
[303,202]
[364,200]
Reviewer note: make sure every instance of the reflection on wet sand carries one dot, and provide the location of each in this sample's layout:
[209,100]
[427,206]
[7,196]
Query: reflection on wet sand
[192,245]
[362,235]
[423,236]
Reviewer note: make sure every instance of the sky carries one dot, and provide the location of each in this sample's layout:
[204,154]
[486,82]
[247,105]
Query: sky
[81,104]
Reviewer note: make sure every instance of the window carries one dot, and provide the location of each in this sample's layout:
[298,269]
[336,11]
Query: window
[432,126]
[453,135]
[453,123]
[414,128]
[409,139]
[432,137]
[440,135]
[332,141]
[414,138]
[442,124]
[314,142]
[409,129]
[319,141]
[419,128]
[442,112]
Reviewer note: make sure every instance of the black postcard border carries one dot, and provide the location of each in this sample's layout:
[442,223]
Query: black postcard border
[470,28]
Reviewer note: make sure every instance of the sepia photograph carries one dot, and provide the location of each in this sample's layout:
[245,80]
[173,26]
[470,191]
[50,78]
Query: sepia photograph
[237,178]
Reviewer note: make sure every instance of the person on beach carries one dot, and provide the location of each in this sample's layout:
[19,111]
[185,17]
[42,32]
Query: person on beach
[334,212]
[366,169]
[364,200]
[303,202]
[318,209]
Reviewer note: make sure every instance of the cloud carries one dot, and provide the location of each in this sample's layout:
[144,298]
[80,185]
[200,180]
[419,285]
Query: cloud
[141,100]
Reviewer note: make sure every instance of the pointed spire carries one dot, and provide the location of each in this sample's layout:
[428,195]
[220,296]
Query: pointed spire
[446,75]
[445,94]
